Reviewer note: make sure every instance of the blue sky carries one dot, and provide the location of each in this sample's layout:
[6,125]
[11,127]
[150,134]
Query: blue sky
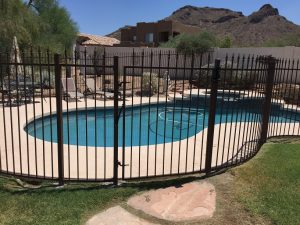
[104,16]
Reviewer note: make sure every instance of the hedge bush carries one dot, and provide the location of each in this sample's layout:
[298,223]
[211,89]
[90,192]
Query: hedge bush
[149,84]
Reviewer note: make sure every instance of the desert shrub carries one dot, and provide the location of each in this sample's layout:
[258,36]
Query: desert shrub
[237,79]
[288,92]
[226,42]
[149,83]
[287,40]
[173,42]
[188,44]
[197,43]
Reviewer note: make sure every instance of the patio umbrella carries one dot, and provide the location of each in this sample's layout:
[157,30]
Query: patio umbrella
[15,57]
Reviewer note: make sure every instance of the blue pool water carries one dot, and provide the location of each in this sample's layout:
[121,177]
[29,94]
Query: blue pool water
[145,125]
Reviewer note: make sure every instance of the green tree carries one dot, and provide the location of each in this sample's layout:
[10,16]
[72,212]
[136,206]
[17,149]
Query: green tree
[58,31]
[36,23]
[189,44]
[17,20]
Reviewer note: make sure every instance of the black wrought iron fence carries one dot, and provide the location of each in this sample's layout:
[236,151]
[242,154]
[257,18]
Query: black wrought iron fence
[104,118]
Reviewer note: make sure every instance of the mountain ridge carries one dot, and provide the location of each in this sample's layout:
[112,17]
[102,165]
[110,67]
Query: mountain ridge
[261,26]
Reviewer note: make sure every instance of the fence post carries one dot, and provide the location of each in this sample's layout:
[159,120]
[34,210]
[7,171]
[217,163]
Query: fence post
[212,115]
[58,95]
[116,118]
[271,61]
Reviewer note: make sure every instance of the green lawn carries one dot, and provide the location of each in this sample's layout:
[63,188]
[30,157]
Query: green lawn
[55,206]
[267,187]
[74,204]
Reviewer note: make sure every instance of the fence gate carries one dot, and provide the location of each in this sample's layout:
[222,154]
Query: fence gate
[87,118]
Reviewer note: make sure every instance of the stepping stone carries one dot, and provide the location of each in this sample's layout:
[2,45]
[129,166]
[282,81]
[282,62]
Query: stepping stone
[192,201]
[116,216]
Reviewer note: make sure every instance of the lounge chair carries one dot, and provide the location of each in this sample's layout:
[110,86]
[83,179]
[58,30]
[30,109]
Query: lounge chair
[70,89]
[92,90]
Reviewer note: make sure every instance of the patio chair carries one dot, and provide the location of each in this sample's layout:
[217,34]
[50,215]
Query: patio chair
[70,89]
[15,94]
[92,90]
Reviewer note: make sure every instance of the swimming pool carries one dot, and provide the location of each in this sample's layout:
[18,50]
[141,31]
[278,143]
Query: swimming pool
[145,125]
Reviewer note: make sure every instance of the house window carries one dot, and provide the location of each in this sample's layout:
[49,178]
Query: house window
[134,38]
[163,36]
[149,38]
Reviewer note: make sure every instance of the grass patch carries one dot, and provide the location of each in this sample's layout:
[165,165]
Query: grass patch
[47,206]
[265,190]
[74,204]
[269,185]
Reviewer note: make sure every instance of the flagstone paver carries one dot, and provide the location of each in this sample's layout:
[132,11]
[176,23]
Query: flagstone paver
[117,216]
[192,201]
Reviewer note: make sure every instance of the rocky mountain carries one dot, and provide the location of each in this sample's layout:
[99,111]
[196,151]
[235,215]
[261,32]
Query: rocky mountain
[117,34]
[253,30]
[203,17]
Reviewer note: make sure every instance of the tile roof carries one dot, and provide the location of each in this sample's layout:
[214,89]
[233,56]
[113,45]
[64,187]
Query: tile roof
[90,39]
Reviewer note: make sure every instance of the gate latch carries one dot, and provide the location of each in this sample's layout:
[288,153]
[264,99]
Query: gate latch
[120,164]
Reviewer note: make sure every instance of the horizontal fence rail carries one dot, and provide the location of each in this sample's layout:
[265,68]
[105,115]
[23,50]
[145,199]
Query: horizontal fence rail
[99,117]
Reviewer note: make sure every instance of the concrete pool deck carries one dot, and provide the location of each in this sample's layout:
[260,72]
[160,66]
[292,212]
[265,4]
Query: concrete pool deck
[96,163]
